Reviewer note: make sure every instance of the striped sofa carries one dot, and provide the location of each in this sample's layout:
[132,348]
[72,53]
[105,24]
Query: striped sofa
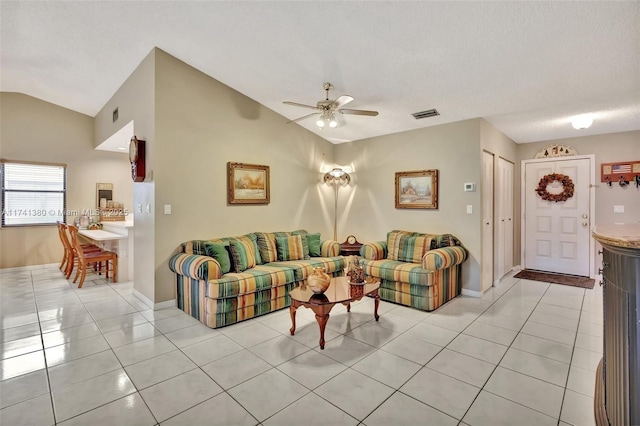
[222,281]
[417,270]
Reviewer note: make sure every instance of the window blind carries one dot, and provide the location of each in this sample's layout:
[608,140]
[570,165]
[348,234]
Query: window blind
[32,194]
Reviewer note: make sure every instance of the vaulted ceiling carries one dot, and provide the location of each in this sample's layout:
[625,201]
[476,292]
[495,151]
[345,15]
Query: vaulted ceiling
[526,67]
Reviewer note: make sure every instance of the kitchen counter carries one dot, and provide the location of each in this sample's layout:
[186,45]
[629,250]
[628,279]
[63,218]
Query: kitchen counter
[619,235]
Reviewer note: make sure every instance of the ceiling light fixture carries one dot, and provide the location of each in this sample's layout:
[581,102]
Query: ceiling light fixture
[582,121]
[327,119]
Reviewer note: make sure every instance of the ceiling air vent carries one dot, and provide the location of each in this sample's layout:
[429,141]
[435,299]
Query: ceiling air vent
[425,114]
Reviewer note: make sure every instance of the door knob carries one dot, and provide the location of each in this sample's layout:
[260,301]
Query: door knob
[584,223]
[584,216]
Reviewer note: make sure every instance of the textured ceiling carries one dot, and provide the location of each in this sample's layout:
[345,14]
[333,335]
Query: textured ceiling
[526,67]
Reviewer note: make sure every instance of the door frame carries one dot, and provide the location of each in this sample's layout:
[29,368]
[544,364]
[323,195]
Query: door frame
[592,204]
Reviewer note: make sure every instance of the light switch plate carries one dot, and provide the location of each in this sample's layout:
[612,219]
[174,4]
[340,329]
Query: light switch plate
[167,209]
[618,209]
[469,209]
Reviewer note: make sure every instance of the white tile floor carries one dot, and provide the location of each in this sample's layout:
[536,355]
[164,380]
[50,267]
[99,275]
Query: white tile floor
[525,353]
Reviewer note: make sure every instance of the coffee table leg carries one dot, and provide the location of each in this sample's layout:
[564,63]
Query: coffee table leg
[376,303]
[292,312]
[322,322]
[348,307]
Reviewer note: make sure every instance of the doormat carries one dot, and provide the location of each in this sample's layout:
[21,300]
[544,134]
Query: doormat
[550,277]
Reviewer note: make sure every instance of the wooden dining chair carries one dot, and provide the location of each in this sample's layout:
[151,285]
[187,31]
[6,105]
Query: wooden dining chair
[65,257]
[96,258]
[70,256]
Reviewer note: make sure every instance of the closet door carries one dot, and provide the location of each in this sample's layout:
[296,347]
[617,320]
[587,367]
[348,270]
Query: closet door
[487,220]
[509,170]
[504,207]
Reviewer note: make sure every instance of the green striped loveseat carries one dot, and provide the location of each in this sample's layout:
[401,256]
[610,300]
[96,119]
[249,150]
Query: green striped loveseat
[418,270]
[222,281]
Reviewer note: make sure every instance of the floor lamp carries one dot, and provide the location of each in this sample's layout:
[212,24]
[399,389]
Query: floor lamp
[336,177]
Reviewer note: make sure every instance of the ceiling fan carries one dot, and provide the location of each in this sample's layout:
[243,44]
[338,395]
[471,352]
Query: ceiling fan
[327,109]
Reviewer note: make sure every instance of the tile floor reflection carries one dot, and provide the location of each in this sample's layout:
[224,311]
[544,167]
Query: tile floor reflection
[524,353]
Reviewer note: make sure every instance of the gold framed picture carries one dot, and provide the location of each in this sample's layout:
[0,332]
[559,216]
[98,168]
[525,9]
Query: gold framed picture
[247,183]
[417,189]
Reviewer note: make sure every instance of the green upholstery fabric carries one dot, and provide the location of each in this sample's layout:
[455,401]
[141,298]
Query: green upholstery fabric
[267,246]
[313,240]
[220,252]
[290,248]
[242,253]
[305,243]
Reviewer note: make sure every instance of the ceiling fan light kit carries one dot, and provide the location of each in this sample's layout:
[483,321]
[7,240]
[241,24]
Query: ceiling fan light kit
[327,109]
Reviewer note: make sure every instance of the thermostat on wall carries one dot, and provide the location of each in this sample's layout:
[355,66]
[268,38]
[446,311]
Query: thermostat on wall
[470,187]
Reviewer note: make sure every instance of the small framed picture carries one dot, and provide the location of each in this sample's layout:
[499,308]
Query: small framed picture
[247,183]
[417,189]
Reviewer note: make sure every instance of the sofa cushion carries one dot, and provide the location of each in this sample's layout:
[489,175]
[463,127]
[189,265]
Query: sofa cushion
[394,270]
[242,253]
[194,247]
[409,248]
[290,248]
[220,252]
[305,243]
[444,240]
[313,240]
[259,278]
[394,242]
[304,268]
[267,246]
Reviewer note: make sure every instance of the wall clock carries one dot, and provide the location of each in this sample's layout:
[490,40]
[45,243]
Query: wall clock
[136,157]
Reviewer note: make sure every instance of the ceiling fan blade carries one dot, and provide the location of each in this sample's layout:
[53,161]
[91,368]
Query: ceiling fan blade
[358,112]
[342,100]
[300,105]
[303,117]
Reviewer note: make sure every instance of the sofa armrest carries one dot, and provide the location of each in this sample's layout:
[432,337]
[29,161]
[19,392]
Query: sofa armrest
[195,266]
[329,248]
[374,251]
[444,258]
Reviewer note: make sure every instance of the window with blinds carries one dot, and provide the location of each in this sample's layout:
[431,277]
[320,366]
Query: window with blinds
[33,194]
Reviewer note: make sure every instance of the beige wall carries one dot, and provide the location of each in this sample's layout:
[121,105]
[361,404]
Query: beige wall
[34,130]
[367,206]
[201,124]
[135,100]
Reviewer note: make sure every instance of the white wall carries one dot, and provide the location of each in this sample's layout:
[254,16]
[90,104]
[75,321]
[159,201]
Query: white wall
[34,130]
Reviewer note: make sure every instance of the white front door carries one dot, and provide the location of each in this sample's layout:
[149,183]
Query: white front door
[557,234]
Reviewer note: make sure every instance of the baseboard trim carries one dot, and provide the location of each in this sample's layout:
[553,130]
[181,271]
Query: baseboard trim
[144,299]
[472,293]
[155,306]
[30,267]
[166,304]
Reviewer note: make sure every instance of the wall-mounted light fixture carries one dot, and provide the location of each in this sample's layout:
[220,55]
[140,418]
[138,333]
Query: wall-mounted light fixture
[336,177]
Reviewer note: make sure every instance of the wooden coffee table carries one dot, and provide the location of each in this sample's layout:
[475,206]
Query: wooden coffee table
[339,291]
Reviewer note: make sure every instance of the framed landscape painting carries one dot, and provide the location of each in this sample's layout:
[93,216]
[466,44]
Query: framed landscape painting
[417,189]
[247,183]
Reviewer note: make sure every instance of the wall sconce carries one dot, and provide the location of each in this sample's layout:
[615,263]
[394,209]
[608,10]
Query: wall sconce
[336,177]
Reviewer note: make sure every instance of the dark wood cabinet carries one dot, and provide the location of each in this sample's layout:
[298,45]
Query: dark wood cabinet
[621,308]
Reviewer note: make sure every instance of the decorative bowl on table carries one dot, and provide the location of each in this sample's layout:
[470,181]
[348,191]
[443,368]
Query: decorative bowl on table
[319,281]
